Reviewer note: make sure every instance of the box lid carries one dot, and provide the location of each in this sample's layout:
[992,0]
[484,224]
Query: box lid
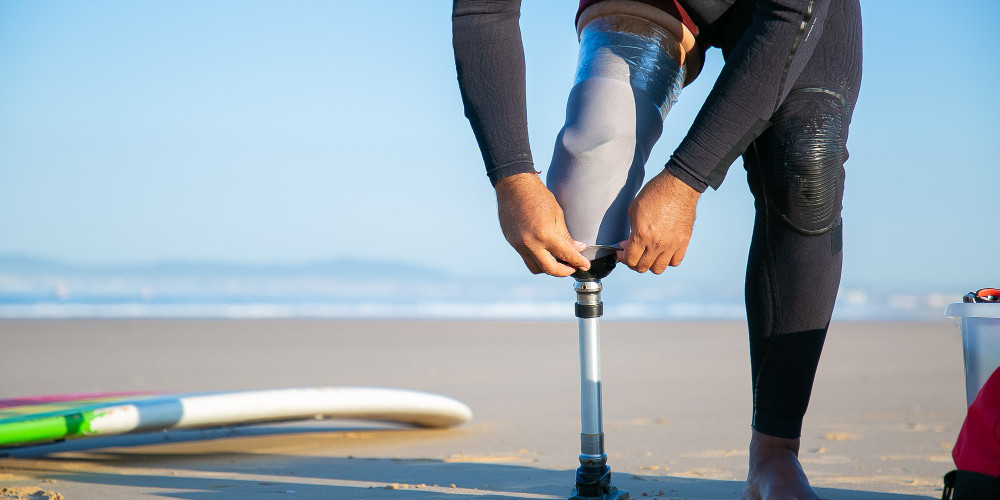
[973,310]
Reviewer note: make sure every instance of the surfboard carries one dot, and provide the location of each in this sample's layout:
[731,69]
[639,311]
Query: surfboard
[35,420]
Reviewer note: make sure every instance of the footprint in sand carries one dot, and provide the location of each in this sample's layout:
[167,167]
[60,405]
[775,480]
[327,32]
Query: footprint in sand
[841,436]
[733,452]
[916,456]
[29,493]
[826,460]
[708,473]
[489,459]
[662,468]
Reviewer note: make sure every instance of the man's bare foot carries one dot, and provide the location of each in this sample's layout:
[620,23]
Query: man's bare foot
[775,473]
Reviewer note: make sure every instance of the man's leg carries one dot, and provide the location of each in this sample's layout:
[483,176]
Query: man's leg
[614,115]
[796,173]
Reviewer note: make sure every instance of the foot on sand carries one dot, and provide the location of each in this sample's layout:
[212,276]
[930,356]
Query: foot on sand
[775,473]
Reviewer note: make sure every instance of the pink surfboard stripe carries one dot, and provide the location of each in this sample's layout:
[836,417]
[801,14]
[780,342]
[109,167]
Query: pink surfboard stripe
[64,398]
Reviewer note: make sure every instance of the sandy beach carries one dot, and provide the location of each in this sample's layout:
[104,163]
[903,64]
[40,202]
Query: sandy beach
[886,408]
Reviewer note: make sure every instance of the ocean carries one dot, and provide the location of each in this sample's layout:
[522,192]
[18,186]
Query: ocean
[32,288]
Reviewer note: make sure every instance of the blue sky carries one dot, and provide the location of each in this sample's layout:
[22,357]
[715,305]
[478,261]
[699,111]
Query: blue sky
[310,130]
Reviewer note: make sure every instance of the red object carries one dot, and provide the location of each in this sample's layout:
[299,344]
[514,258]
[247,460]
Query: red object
[978,445]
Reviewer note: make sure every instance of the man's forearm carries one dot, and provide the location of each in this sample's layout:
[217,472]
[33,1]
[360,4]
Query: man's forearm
[489,58]
[755,80]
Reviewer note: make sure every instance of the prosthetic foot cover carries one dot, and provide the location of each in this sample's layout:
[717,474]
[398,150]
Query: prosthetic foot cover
[595,484]
[626,82]
[593,480]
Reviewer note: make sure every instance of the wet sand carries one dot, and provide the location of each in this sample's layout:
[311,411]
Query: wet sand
[887,406]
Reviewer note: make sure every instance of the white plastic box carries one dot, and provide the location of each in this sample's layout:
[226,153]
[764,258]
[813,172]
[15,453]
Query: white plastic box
[980,342]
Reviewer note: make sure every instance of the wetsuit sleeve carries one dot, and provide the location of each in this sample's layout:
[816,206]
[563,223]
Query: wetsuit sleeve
[755,80]
[489,58]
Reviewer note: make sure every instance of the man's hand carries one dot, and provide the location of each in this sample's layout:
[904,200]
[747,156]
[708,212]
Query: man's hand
[662,216]
[533,224]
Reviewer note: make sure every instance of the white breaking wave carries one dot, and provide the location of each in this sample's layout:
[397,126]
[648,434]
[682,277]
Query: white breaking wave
[349,290]
[514,310]
[547,310]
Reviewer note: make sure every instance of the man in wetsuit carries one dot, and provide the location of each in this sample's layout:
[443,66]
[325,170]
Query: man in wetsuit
[783,101]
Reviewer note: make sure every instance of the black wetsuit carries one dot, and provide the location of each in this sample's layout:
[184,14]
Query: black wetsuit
[784,101]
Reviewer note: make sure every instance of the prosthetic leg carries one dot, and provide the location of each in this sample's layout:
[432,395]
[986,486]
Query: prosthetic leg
[593,478]
[628,76]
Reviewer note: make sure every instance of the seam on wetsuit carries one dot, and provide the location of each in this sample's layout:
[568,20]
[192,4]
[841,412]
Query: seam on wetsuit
[768,252]
[756,381]
[805,232]
[822,90]
[773,287]
[791,54]
[508,169]
[498,167]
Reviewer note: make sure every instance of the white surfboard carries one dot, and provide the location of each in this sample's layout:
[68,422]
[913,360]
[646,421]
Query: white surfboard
[49,418]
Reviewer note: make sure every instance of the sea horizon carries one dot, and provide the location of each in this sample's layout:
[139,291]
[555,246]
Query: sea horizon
[37,288]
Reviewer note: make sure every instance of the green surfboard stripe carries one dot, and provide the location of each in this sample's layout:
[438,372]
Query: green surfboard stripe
[64,412]
[45,429]
[61,407]
[31,424]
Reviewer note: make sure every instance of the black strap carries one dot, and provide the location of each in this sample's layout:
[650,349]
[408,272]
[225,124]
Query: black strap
[949,485]
[966,485]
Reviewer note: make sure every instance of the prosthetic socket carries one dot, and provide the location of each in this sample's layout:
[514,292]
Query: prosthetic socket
[627,79]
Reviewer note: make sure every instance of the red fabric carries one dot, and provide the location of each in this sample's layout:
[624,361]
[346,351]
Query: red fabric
[978,445]
[672,7]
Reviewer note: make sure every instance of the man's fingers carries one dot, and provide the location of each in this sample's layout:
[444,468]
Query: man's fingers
[551,266]
[561,258]
[567,253]
[678,256]
[631,253]
[542,258]
[529,262]
[647,260]
[661,263]
[642,258]
[623,246]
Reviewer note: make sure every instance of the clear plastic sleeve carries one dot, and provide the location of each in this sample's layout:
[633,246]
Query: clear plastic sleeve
[635,50]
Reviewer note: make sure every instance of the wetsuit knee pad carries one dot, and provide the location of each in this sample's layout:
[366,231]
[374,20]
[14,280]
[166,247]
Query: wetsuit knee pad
[803,155]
